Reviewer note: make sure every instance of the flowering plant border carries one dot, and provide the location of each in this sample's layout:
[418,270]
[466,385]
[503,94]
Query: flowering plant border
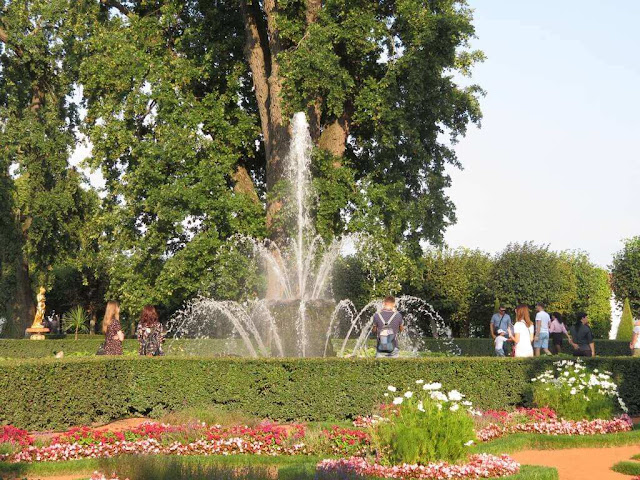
[478,466]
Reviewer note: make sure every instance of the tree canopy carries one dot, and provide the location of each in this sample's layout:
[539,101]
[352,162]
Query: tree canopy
[186,105]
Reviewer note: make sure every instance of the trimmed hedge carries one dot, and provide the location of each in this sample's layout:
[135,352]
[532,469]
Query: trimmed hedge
[480,347]
[48,394]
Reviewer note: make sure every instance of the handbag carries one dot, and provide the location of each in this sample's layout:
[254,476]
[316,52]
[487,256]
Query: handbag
[101,350]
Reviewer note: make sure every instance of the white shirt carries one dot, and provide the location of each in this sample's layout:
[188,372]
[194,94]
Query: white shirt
[636,330]
[523,347]
[544,319]
[499,341]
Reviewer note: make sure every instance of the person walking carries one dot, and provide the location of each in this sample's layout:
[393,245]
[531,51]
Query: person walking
[635,340]
[501,321]
[523,332]
[112,329]
[150,333]
[541,339]
[583,337]
[387,324]
[558,330]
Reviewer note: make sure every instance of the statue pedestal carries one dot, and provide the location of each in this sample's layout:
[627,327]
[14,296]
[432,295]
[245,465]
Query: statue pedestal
[37,333]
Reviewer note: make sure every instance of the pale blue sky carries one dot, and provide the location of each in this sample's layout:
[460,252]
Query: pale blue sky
[557,158]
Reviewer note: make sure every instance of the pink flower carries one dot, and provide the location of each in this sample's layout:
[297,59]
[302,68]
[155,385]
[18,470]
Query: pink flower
[479,466]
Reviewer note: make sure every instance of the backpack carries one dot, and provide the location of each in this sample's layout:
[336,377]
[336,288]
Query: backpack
[386,336]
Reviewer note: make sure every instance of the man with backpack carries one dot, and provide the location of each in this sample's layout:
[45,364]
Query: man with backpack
[387,324]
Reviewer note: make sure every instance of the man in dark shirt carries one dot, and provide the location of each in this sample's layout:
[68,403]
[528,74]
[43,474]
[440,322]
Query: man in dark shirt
[583,336]
[387,324]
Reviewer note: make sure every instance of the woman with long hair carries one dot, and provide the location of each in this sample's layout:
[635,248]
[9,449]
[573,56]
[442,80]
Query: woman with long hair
[112,329]
[523,332]
[150,332]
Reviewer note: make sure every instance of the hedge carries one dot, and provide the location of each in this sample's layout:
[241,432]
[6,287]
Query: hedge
[481,347]
[50,394]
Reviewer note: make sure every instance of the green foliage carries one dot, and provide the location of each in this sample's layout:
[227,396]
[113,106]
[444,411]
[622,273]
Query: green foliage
[527,273]
[455,282]
[289,389]
[625,272]
[76,321]
[577,393]
[496,306]
[429,426]
[625,329]
[87,346]
[593,293]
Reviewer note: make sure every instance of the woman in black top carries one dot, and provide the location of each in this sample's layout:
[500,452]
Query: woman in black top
[583,337]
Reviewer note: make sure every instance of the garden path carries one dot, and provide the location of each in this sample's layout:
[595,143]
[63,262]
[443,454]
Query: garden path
[580,463]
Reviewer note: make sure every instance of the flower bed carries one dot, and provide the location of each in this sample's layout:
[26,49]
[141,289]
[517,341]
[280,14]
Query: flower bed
[558,427]
[15,436]
[478,466]
[154,438]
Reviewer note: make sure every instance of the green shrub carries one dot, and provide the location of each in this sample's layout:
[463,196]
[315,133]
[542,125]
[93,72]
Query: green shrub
[50,394]
[88,345]
[429,426]
[576,393]
[625,329]
[76,321]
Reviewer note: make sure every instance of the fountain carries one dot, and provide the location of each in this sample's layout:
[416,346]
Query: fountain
[298,318]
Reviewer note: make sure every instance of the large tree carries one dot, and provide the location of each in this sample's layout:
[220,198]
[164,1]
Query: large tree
[37,121]
[188,112]
[625,273]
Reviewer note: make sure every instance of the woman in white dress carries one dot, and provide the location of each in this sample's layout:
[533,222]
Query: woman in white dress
[523,332]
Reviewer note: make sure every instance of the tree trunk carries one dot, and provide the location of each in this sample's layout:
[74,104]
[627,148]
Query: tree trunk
[24,306]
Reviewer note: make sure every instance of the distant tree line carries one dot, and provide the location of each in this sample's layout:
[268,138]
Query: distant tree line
[465,285]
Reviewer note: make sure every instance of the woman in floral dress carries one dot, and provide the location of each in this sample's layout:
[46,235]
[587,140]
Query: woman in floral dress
[112,329]
[150,333]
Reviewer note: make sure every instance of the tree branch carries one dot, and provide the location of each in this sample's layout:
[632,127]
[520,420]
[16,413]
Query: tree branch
[117,5]
[4,38]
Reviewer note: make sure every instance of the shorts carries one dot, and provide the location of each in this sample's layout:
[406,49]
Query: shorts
[394,354]
[499,352]
[557,338]
[636,352]
[543,340]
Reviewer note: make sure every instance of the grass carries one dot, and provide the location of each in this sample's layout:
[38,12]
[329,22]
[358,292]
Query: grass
[531,441]
[627,468]
[238,467]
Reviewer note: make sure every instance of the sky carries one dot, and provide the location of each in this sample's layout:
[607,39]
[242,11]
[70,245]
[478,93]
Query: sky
[557,159]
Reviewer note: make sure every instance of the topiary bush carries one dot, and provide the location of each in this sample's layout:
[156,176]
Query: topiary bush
[625,329]
[50,394]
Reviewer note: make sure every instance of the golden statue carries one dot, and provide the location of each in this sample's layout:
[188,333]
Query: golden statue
[37,329]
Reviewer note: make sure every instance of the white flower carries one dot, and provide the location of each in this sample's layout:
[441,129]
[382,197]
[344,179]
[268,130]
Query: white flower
[469,443]
[391,388]
[573,391]
[454,407]
[467,403]
[432,386]
[408,394]
[386,394]
[439,406]
[455,396]
[398,400]
[419,382]
[439,396]
[421,406]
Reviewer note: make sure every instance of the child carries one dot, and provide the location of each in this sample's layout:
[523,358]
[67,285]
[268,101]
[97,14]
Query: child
[499,343]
